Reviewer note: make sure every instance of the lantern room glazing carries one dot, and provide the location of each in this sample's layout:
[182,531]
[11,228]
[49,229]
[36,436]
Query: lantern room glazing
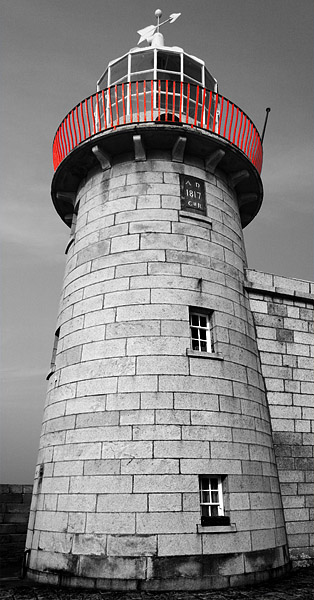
[162,63]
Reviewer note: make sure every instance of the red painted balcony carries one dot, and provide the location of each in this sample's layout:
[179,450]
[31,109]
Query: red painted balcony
[167,102]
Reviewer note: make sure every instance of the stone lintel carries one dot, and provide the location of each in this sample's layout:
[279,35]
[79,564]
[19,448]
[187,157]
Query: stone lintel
[178,149]
[102,157]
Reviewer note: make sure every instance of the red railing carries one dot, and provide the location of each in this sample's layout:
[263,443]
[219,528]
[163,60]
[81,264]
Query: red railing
[158,101]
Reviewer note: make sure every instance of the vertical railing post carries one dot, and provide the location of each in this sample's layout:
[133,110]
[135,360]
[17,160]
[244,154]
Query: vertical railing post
[82,118]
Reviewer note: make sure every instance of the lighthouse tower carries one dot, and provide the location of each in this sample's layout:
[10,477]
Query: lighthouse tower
[156,467]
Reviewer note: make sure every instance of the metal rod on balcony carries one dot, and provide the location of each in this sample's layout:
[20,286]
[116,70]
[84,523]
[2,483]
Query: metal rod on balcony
[265,123]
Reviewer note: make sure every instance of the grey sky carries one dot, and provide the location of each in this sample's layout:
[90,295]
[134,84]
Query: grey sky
[52,53]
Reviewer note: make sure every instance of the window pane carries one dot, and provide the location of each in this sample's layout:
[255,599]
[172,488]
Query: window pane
[119,69]
[139,76]
[204,346]
[195,345]
[214,511]
[209,81]
[163,75]
[142,61]
[205,511]
[168,61]
[194,333]
[203,322]
[215,497]
[205,497]
[194,320]
[214,484]
[203,334]
[205,483]
[192,69]
[104,81]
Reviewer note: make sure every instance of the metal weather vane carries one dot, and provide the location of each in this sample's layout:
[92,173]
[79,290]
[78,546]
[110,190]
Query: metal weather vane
[148,32]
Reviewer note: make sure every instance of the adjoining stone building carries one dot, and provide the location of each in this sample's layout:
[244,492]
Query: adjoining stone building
[283,316]
[157,466]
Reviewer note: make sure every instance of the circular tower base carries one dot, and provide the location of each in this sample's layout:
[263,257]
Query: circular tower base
[156,469]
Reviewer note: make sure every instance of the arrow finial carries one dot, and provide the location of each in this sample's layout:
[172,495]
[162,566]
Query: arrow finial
[148,32]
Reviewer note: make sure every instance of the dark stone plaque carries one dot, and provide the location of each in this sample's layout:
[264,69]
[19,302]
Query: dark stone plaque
[192,194]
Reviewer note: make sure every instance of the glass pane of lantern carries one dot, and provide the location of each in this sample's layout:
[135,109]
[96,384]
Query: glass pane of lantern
[168,61]
[148,75]
[192,69]
[104,81]
[118,70]
[142,61]
[209,81]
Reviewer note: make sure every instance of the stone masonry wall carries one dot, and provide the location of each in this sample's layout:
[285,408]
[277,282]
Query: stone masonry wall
[134,416]
[14,510]
[283,314]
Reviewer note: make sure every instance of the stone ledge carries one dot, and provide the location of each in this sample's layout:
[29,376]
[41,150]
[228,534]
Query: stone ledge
[196,354]
[205,221]
[278,291]
[217,529]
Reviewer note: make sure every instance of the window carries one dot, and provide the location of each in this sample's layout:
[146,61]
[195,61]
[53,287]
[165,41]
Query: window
[201,334]
[211,501]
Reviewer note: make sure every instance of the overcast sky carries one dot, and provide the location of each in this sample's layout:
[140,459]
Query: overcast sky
[52,53]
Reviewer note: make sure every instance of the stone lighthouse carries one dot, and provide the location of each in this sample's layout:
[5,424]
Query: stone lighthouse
[156,467]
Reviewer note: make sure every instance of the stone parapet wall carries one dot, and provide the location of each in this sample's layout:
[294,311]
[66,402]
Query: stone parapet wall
[283,315]
[15,504]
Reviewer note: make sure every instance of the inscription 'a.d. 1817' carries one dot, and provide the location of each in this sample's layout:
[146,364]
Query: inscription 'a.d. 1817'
[192,194]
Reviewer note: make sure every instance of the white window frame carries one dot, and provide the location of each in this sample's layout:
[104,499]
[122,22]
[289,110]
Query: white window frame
[201,328]
[207,506]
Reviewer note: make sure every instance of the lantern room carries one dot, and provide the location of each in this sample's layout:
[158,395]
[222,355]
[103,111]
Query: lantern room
[162,63]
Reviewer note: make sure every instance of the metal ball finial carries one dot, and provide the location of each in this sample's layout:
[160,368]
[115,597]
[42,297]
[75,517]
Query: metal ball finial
[158,13]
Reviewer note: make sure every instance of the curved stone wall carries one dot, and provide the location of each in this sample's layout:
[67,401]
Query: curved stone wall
[134,417]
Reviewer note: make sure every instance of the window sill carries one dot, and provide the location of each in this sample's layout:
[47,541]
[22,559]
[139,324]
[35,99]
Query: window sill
[190,215]
[217,529]
[197,354]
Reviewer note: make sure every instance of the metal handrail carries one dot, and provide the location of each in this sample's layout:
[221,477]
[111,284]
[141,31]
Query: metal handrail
[158,101]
